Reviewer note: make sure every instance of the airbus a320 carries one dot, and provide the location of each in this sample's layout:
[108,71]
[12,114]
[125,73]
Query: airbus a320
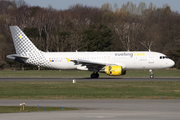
[112,63]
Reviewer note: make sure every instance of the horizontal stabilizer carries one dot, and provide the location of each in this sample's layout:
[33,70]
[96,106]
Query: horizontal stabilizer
[13,56]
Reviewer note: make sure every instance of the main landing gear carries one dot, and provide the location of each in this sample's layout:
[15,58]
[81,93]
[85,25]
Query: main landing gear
[151,74]
[95,75]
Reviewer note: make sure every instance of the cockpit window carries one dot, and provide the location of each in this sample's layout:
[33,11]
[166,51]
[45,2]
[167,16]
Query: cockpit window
[163,57]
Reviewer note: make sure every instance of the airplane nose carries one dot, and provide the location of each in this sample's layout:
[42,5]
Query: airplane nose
[172,63]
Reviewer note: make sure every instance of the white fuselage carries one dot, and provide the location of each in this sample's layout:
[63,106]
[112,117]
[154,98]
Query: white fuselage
[128,60]
[112,63]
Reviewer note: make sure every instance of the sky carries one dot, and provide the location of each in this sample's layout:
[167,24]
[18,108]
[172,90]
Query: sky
[65,4]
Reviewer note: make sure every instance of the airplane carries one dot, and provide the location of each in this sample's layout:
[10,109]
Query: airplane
[112,63]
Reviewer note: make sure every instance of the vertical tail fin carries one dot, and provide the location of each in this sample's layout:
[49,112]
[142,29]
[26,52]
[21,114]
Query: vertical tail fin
[26,51]
[21,42]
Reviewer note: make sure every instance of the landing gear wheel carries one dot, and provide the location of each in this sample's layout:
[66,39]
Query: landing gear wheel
[151,76]
[95,75]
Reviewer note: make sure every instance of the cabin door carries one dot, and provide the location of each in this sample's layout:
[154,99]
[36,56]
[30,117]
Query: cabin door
[151,57]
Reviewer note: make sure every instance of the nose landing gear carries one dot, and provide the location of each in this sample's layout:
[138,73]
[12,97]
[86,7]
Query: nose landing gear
[151,74]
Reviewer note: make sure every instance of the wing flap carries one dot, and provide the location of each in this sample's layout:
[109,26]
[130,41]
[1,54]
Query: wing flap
[86,62]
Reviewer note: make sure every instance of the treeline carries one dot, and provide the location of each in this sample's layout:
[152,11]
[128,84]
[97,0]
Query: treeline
[130,27]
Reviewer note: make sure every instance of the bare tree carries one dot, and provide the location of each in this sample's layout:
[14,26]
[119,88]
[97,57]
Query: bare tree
[141,8]
[106,7]
[128,35]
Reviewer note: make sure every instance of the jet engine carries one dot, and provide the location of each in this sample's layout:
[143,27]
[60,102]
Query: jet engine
[115,70]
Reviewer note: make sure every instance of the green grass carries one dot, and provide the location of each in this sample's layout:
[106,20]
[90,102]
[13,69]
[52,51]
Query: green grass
[16,109]
[157,73]
[45,73]
[75,73]
[90,90]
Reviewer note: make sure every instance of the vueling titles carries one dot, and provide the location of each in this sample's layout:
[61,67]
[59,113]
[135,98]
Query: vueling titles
[129,54]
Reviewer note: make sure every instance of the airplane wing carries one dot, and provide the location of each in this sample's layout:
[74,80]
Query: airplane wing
[87,62]
[90,64]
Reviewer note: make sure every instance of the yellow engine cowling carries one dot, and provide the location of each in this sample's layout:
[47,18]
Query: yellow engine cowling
[115,70]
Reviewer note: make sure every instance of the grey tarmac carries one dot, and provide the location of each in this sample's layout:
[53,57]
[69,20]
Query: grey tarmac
[108,109]
[89,79]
